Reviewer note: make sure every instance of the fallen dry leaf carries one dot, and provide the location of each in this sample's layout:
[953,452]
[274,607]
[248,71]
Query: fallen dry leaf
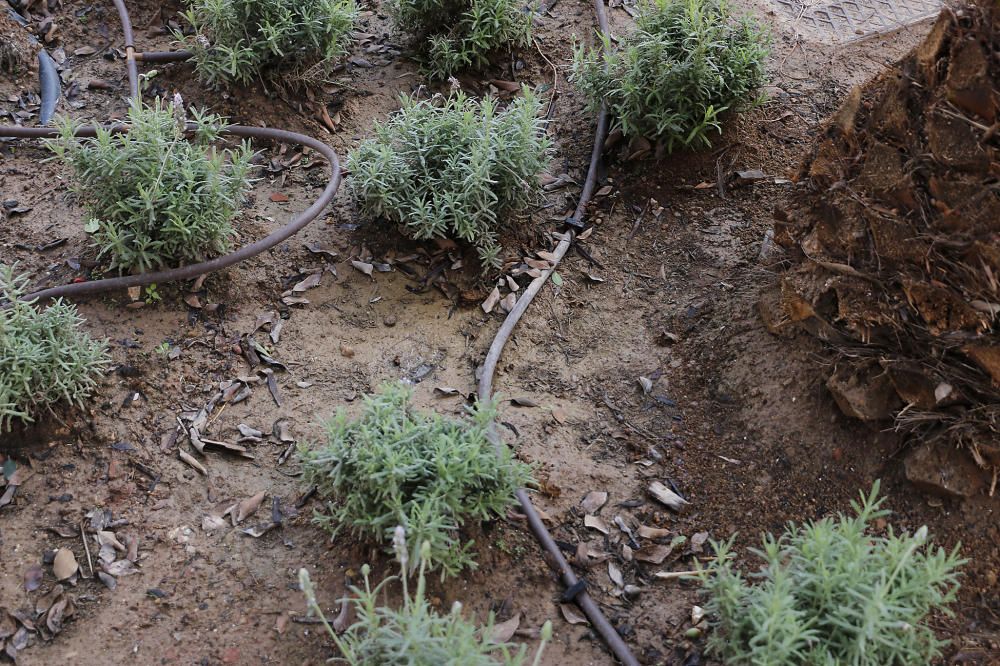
[44,603]
[615,574]
[508,302]
[312,280]
[653,532]
[594,500]
[572,615]
[247,507]
[33,578]
[504,631]
[190,460]
[491,300]
[364,267]
[654,554]
[596,523]
[120,568]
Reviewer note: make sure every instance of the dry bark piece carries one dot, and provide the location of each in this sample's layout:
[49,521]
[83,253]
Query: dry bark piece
[667,496]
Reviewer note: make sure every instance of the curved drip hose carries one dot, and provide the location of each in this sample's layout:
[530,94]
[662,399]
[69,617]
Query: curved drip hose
[575,587]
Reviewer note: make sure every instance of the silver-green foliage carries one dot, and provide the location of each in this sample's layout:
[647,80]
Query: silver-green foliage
[459,34]
[685,64]
[44,356]
[155,198]
[396,466]
[452,167]
[415,634]
[830,594]
[283,41]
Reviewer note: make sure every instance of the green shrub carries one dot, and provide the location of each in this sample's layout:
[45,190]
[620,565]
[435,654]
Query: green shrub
[830,593]
[685,64]
[284,41]
[44,356]
[458,34]
[416,634]
[430,474]
[155,198]
[452,168]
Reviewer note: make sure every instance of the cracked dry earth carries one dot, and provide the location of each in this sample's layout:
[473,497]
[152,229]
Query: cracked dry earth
[737,420]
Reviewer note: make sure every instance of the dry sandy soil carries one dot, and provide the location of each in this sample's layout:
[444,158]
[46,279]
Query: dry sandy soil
[737,420]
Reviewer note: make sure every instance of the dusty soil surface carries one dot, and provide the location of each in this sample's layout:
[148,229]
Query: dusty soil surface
[738,420]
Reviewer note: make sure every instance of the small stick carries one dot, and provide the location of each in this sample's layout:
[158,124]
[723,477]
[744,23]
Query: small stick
[86,548]
[635,225]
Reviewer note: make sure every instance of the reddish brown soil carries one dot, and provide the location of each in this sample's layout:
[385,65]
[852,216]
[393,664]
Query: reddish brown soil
[740,421]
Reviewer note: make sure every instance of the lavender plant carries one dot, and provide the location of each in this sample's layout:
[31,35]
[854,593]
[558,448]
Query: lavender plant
[685,64]
[155,198]
[44,356]
[452,167]
[459,34]
[832,593]
[282,41]
[396,466]
[415,634]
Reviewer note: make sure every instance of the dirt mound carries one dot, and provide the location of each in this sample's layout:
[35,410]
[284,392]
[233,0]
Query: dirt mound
[17,55]
[895,251]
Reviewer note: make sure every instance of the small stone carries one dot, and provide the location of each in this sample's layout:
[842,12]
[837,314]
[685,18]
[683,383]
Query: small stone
[346,350]
[389,321]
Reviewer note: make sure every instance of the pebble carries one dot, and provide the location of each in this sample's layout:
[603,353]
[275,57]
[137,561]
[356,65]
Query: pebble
[389,321]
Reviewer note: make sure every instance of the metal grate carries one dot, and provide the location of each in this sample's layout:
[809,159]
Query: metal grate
[848,20]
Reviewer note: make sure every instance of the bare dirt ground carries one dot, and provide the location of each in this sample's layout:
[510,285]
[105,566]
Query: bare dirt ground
[736,419]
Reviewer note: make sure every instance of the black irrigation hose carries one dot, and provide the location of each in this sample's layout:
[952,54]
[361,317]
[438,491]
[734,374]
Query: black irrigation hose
[576,590]
[50,87]
[575,587]
[130,64]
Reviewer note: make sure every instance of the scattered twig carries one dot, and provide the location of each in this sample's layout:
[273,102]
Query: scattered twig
[86,548]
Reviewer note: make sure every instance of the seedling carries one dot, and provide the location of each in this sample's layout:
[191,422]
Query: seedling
[156,199]
[459,34]
[45,358]
[416,634]
[685,65]
[396,466]
[831,593]
[452,167]
[288,43]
